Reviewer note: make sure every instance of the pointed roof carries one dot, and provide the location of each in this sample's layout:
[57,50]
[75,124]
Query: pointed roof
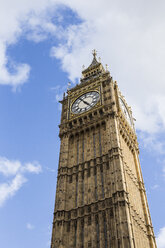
[92,72]
[94,64]
[94,61]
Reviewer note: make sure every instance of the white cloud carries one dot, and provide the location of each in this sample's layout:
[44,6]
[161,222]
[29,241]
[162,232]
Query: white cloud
[34,167]
[153,142]
[161,238]
[29,226]
[9,189]
[20,71]
[12,167]
[129,35]
[19,18]
[15,172]
[132,41]
[9,167]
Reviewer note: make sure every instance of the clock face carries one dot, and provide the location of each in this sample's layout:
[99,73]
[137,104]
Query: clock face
[125,111]
[85,102]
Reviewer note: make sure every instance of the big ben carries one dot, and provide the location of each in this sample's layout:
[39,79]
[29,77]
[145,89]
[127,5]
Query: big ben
[100,195]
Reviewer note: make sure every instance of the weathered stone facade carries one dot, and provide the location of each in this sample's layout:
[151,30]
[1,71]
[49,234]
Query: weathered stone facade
[100,195]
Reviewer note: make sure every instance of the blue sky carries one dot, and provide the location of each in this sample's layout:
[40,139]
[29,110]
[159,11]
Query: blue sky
[43,45]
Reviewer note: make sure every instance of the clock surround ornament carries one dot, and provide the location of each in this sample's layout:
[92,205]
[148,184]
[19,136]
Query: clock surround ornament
[85,102]
[125,112]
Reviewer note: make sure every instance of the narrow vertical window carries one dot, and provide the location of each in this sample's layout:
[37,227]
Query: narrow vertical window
[100,147]
[95,176]
[97,232]
[105,232]
[82,233]
[107,165]
[89,220]
[94,145]
[83,172]
[70,179]
[102,181]
[75,236]
[68,227]
[76,189]
[77,151]
[89,171]
[83,148]
[82,188]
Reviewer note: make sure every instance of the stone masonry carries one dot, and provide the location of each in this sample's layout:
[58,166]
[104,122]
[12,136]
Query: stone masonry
[100,196]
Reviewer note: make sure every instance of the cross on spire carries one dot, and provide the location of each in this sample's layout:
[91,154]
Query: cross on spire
[94,52]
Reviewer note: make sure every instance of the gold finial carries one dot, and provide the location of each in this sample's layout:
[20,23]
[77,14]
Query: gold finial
[94,52]
[106,66]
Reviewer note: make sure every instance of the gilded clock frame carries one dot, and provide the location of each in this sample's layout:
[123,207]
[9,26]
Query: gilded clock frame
[128,111]
[71,115]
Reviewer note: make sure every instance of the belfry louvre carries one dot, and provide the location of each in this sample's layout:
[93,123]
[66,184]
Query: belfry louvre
[100,195]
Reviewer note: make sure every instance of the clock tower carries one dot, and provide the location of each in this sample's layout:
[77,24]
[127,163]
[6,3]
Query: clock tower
[100,196]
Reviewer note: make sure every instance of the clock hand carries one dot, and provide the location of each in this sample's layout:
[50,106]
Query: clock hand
[85,102]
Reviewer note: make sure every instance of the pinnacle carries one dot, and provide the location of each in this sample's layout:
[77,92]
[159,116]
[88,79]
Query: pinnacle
[94,61]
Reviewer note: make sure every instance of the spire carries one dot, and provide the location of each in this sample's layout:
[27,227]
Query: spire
[94,52]
[94,69]
[94,61]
